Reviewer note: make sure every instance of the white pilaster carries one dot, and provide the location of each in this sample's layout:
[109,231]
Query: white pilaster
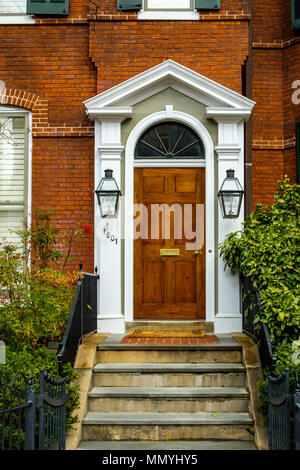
[108,250]
[230,155]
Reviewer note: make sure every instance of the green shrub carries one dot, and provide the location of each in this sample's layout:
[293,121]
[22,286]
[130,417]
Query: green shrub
[25,361]
[35,302]
[39,313]
[267,249]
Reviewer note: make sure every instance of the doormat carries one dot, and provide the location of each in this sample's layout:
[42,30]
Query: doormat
[140,333]
[207,339]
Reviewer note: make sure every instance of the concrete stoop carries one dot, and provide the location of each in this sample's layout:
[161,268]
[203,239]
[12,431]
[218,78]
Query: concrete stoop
[168,397]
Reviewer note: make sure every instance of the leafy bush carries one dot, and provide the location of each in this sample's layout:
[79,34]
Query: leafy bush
[35,301]
[35,305]
[25,362]
[267,250]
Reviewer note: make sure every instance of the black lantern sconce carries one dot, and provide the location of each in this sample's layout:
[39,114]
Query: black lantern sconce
[230,196]
[108,195]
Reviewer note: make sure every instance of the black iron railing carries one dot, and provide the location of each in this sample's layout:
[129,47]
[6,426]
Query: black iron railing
[297,415]
[17,413]
[82,319]
[281,406]
[52,423]
[279,412]
[20,407]
[258,330]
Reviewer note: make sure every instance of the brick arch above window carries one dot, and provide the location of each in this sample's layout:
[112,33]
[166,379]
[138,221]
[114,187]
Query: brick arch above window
[39,107]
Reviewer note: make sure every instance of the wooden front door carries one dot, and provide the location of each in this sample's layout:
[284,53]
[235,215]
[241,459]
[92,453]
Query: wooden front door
[169,279]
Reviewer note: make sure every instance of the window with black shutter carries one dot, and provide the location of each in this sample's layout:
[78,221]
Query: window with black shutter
[48,7]
[295,13]
[208,4]
[129,4]
[138,5]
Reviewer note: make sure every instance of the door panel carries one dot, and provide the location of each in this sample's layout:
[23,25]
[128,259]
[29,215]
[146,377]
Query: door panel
[169,287]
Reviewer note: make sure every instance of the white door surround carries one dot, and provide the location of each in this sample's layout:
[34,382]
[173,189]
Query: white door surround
[131,163]
[110,109]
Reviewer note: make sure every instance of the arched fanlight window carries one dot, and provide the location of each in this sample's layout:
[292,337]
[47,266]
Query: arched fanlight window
[169,140]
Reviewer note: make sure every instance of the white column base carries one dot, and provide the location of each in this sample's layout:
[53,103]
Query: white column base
[111,324]
[228,323]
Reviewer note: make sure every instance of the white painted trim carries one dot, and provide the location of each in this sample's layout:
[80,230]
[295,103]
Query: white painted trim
[228,323]
[111,324]
[108,150]
[130,163]
[168,15]
[169,69]
[223,114]
[16,111]
[169,164]
[17,19]
[29,172]
[115,113]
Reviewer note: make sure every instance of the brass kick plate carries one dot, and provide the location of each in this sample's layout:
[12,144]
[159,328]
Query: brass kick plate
[169,252]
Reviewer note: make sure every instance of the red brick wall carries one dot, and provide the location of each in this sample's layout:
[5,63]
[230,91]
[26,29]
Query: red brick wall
[63,182]
[106,9]
[53,62]
[276,64]
[216,50]
[291,72]
[46,68]
[53,66]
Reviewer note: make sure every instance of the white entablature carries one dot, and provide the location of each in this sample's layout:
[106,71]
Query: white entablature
[120,98]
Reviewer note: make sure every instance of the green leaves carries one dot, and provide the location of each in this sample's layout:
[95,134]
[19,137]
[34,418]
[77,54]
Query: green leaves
[267,249]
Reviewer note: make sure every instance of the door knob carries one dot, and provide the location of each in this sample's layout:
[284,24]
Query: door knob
[197,252]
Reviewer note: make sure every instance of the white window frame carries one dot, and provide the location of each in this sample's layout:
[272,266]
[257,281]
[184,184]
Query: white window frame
[147,6]
[16,18]
[14,111]
[168,14]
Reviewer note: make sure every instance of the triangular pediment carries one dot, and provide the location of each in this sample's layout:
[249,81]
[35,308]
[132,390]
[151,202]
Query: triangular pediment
[120,98]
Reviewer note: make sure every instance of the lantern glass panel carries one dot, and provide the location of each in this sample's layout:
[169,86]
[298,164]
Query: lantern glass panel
[230,196]
[231,203]
[108,184]
[108,204]
[108,195]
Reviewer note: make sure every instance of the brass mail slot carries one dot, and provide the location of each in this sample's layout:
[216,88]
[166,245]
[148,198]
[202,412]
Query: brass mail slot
[169,252]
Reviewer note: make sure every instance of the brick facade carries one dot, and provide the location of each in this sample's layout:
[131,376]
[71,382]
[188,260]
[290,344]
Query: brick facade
[276,65]
[51,67]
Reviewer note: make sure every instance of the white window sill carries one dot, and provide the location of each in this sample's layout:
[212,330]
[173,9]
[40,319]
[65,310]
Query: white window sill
[168,15]
[17,19]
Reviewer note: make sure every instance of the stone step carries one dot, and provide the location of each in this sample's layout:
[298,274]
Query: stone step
[169,375]
[167,445]
[168,325]
[168,399]
[166,426]
[169,354]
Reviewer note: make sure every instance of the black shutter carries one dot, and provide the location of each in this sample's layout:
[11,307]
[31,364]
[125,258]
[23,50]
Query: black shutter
[129,4]
[208,4]
[295,13]
[47,7]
